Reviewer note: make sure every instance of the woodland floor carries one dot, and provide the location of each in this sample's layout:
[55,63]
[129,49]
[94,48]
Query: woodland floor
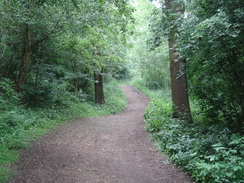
[105,149]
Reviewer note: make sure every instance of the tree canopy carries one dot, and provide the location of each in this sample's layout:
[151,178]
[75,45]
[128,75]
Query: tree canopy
[47,44]
[59,53]
[210,40]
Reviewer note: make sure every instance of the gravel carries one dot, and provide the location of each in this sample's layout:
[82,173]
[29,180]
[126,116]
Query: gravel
[105,149]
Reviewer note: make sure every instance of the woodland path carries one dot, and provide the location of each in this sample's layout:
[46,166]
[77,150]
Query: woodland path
[105,149]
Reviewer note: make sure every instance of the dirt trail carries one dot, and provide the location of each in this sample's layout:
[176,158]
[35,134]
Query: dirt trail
[107,149]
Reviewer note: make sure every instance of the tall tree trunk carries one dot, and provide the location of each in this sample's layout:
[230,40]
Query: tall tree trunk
[180,100]
[99,95]
[35,98]
[75,81]
[26,59]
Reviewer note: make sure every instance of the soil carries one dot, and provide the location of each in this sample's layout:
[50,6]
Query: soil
[105,149]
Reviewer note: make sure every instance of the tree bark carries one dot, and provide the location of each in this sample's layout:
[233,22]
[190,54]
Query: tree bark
[26,59]
[180,99]
[76,89]
[98,82]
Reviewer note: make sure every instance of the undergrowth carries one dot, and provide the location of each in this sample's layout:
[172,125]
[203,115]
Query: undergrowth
[19,125]
[210,153]
[156,93]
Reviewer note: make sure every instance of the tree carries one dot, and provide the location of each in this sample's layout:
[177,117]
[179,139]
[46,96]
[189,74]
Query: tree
[180,100]
[48,44]
[148,62]
[99,94]
[211,42]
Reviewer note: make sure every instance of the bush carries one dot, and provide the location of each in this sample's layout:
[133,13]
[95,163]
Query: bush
[211,153]
[9,98]
[210,41]
[19,124]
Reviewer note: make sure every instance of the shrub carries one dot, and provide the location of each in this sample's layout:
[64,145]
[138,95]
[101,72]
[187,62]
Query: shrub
[211,153]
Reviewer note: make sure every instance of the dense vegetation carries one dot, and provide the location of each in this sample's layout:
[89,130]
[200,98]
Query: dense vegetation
[150,65]
[210,153]
[209,40]
[54,55]
[60,58]
[19,125]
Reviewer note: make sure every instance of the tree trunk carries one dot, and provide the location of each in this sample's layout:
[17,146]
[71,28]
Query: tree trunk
[98,82]
[26,59]
[180,100]
[75,81]
[35,98]
[181,107]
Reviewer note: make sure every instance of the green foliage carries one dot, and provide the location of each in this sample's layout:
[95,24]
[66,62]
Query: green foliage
[211,43]
[155,70]
[225,165]
[116,100]
[142,86]
[5,173]
[149,64]
[210,35]
[19,125]
[58,46]
[211,153]
[8,97]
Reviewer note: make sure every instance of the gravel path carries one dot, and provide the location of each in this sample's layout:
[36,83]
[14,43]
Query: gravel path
[106,149]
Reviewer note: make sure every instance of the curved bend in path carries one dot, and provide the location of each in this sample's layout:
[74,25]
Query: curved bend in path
[107,149]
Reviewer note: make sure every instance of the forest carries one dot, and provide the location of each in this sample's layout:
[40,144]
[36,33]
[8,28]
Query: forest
[65,59]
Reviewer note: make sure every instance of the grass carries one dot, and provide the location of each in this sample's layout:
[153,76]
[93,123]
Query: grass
[19,125]
[152,94]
